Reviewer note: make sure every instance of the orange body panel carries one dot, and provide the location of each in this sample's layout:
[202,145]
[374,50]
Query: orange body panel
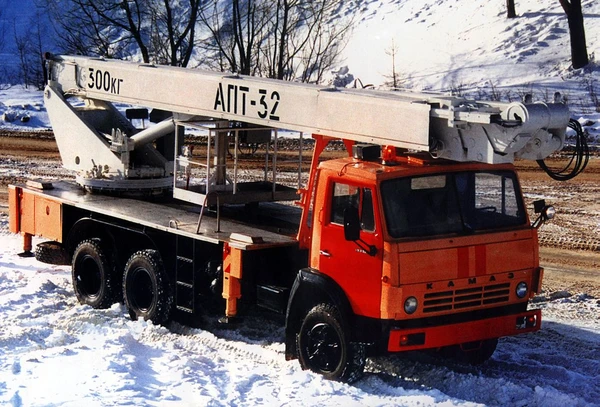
[35,214]
[232,274]
[447,335]
[14,209]
[463,257]
[447,275]
[456,295]
[347,262]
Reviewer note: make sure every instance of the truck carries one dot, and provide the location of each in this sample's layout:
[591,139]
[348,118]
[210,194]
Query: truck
[418,239]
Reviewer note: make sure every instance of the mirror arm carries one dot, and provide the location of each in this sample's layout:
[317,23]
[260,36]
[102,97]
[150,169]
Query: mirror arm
[370,249]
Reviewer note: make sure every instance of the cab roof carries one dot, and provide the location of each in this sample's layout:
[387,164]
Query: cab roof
[375,170]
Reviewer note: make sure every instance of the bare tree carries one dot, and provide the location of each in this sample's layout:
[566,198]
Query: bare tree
[303,42]
[235,34]
[283,39]
[82,29]
[275,56]
[3,74]
[393,78]
[160,31]
[37,57]
[324,42]
[29,53]
[579,55]
[510,9]
[173,31]
[22,48]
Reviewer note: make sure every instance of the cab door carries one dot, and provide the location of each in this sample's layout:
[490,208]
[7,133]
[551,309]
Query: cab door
[349,263]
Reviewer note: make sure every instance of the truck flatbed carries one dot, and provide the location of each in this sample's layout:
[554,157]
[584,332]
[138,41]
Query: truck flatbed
[173,216]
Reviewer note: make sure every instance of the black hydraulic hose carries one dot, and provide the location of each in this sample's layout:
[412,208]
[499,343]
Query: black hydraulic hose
[579,158]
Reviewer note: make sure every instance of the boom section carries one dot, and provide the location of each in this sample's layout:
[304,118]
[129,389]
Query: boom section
[448,127]
[371,117]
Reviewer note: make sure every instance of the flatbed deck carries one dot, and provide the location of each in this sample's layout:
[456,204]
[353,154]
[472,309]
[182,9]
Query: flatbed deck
[236,226]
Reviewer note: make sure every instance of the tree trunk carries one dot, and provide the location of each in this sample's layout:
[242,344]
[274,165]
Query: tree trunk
[579,55]
[283,40]
[510,9]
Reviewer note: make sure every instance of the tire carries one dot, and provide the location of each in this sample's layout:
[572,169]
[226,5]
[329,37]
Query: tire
[52,253]
[146,290]
[474,353]
[323,346]
[94,276]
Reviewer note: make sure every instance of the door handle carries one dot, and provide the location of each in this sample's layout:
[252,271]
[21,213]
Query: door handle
[325,253]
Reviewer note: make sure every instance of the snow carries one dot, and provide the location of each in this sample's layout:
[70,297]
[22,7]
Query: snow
[442,43]
[23,109]
[56,352]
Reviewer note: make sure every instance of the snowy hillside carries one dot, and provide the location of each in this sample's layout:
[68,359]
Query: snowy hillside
[445,45]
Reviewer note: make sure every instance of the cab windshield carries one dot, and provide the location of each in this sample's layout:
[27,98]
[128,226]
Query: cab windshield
[454,203]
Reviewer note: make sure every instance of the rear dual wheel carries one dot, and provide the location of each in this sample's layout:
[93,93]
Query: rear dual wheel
[146,288]
[95,280]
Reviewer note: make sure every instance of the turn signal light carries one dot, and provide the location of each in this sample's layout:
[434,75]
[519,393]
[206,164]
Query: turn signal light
[412,339]
[526,322]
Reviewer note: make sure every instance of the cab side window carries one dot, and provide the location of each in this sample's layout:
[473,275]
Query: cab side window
[347,196]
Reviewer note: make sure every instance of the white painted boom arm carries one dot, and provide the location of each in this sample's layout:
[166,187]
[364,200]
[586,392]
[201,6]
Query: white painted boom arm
[448,127]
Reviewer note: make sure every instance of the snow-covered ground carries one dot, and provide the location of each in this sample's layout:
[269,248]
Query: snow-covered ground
[56,352]
[23,110]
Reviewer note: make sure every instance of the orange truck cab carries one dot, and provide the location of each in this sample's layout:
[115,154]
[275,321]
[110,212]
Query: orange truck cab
[416,254]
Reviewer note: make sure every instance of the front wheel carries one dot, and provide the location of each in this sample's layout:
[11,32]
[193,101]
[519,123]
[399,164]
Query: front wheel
[146,289]
[324,348]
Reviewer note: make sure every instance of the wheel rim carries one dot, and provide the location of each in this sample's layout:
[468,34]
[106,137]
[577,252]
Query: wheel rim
[89,281]
[141,290]
[323,348]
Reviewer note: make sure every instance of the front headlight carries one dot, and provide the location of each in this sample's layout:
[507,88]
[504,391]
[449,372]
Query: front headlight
[549,212]
[410,305]
[522,289]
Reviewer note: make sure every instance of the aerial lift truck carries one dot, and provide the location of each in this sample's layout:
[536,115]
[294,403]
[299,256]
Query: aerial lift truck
[418,239]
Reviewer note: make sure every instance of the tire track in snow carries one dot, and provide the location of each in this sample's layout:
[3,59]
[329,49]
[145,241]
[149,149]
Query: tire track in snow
[557,366]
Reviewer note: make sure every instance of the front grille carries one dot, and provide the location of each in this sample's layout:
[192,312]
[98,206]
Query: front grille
[465,298]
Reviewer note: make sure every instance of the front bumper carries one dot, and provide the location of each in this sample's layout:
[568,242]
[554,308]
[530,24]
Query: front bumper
[401,340]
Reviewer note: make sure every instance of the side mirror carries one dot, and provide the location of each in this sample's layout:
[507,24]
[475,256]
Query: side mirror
[352,231]
[351,224]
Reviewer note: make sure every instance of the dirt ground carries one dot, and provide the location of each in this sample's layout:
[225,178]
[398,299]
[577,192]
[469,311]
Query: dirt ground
[570,243]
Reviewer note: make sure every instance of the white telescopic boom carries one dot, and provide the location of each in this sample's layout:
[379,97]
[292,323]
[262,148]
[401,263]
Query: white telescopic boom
[448,127]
